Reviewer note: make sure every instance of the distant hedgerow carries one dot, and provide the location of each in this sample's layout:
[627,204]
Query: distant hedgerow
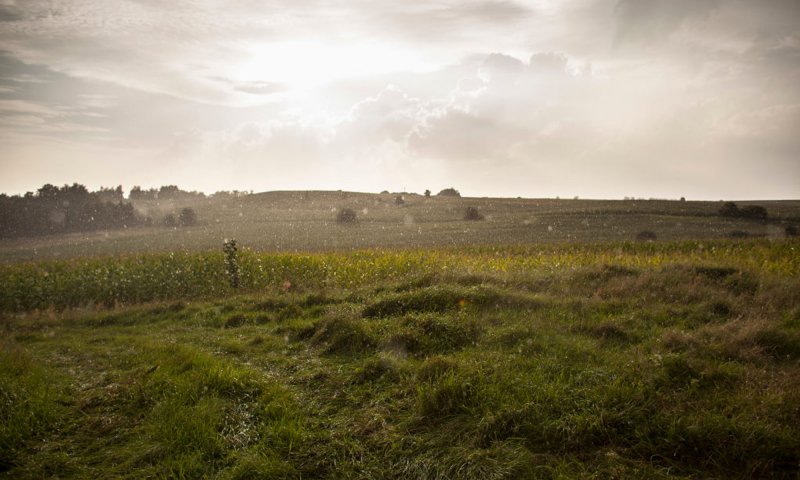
[753,212]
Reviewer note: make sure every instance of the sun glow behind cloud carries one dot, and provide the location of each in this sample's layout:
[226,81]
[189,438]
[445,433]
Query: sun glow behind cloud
[301,65]
[605,98]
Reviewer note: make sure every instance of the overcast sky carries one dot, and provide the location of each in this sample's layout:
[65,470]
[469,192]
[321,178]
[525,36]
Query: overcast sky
[537,98]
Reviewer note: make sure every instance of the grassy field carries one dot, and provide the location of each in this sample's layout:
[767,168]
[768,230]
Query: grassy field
[305,222]
[673,359]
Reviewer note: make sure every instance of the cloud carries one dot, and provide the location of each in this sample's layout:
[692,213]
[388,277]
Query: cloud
[259,88]
[548,62]
[486,94]
[10,13]
[446,19]
[641,21]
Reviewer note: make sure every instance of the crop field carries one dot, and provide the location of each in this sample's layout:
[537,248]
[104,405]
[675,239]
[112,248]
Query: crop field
[616,359]
[306,222]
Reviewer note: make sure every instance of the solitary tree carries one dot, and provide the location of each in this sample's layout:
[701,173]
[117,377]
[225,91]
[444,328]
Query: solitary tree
[449,192]
[187,217]
[729,209]
[472,213]
[346,215]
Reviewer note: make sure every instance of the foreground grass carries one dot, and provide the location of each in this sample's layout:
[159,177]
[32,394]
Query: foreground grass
[619,367]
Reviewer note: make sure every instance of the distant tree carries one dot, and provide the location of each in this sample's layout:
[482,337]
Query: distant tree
[683,199]
[168,191]
[70,208]
[729,209]
[187,217]
[346,215]
[449,192]
[472,213]
[399,200]
[48,191]
[385,192]
[427,193]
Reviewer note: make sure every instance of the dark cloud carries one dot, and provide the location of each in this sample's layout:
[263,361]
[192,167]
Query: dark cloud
[641,21]
[10,13]
[446,19]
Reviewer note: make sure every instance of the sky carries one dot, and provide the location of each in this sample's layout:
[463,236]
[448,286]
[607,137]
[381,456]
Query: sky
[537,98]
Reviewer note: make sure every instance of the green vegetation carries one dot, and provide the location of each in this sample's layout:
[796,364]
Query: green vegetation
[620,360]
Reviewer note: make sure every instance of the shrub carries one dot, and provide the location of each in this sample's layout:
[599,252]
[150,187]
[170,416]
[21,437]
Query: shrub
[646,236]
[449,192]
[232,262]
[399,200]
[346,215]
[755,212]
[729,209]
[187,217]
[472,213]
[427,193]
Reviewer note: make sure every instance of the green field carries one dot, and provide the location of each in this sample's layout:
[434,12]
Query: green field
[482,354]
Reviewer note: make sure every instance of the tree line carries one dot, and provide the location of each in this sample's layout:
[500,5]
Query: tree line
[73,208]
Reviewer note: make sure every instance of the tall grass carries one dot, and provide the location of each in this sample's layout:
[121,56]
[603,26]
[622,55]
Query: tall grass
[110,281]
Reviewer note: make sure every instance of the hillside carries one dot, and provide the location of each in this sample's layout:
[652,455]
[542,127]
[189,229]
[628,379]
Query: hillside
[306,221]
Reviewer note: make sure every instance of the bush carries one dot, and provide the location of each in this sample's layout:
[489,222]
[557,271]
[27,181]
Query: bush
[399,200]
[472,213]
[427,193]
[449,192]
[646,236]
[729,209]
[754,212]
[187,217]
[231,251]
[346,215]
